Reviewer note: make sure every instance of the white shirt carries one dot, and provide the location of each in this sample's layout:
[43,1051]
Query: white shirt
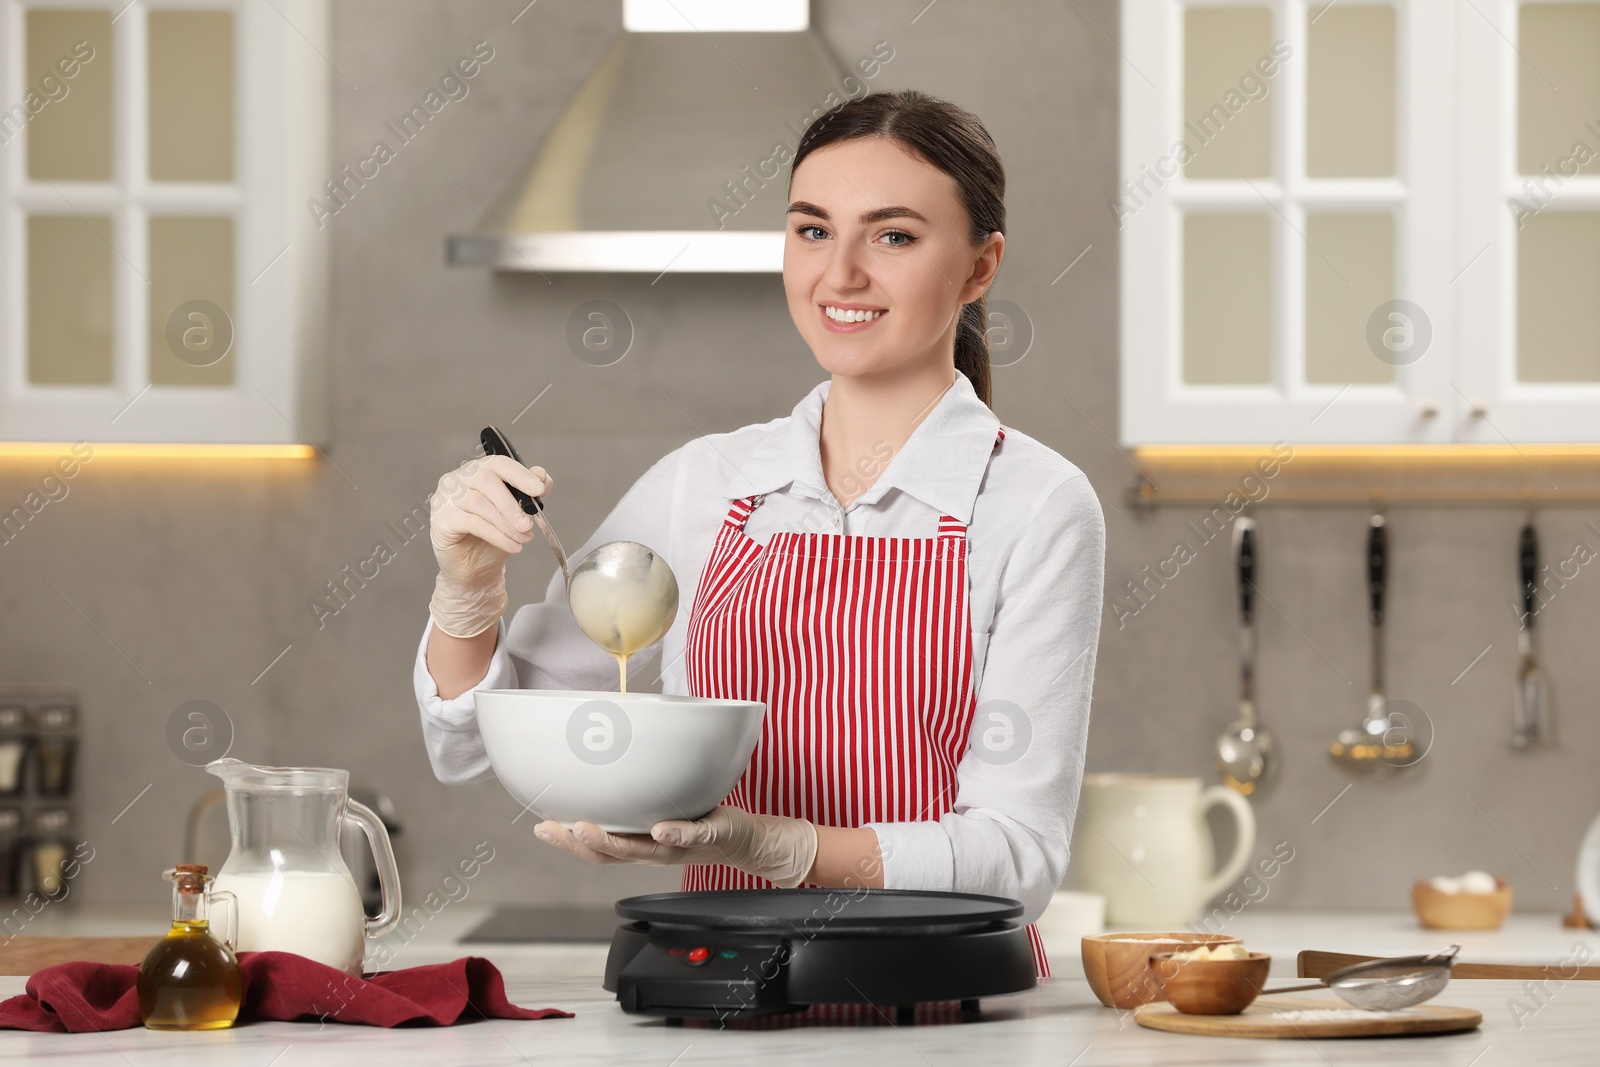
[1035,567]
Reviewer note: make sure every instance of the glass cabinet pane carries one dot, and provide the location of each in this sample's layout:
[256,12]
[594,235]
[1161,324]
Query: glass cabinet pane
[191,301]
[1350,102]
[191,96]
[69,300]
[1558,316]
[1558,88]
[1227,100]
[1349,278]
[67,95]
[1227,299]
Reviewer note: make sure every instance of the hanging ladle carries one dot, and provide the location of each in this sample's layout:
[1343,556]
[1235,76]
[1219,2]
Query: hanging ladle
[1379,746]
[1245,750]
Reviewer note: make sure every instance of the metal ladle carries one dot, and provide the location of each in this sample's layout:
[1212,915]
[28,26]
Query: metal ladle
[1245,750]
[623,595]
[1367,749]
[1386,985]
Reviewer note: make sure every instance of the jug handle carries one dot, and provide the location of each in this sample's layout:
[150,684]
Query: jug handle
[231,939]
[1589,870]
[388,872]
[1245,818]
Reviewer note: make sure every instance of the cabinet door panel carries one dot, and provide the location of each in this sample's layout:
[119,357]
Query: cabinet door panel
[69,300]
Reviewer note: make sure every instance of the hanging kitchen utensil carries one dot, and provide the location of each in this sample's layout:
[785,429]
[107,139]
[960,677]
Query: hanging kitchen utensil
[1245,751]
[1378,746]
[1386,984]
[1530,704]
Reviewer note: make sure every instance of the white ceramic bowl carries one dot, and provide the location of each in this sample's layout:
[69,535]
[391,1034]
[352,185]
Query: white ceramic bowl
[622,763]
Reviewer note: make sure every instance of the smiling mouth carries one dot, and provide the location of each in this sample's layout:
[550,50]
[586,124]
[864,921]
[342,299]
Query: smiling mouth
[841,320]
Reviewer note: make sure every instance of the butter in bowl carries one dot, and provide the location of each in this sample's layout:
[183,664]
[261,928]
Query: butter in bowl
[1221,979]
[1117,965]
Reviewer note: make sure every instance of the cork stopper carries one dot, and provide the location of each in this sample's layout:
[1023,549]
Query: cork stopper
[190,877]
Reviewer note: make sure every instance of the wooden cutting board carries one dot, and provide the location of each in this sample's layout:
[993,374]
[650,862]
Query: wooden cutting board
[24,955]
[1297,1017]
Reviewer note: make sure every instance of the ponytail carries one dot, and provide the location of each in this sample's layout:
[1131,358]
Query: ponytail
[972,346]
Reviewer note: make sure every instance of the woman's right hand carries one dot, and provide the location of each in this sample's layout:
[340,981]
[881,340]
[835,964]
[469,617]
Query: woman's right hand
[475,524]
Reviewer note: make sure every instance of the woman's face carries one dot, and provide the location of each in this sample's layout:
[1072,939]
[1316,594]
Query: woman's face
[871,226]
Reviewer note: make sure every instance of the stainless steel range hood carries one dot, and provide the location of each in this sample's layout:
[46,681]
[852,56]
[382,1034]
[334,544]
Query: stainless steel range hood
[674,155]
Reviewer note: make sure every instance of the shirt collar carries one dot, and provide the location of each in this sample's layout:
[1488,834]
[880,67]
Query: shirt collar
[941,463]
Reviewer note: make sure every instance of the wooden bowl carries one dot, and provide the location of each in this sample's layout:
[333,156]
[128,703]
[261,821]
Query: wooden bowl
[1461,911]
[1117,965]
[1211,987]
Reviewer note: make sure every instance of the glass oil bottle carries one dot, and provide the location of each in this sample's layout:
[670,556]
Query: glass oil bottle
[190,980]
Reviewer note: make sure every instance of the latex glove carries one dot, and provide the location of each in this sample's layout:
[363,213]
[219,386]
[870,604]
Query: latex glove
[775,847]
[475,525]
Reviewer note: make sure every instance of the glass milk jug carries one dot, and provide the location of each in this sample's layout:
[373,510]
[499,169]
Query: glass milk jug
[294,891]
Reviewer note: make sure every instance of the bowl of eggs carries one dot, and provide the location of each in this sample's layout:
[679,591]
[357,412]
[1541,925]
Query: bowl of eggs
[623,763]
[1476,900]
[1211,979]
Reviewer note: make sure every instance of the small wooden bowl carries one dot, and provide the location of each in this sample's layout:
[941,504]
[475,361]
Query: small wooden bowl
[1119,970]
[1461,911]
[1211,987]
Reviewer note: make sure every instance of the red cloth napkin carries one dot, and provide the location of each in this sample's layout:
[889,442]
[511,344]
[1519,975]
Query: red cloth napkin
[81,996]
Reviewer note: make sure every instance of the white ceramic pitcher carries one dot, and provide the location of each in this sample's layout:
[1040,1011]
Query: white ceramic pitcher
[1143,843]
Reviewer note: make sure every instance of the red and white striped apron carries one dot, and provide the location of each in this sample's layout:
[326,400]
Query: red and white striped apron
[861,648]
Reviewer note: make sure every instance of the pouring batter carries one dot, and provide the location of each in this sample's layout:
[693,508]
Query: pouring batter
[912,589]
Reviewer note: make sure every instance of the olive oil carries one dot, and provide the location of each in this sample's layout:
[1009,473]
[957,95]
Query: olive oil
[189,980]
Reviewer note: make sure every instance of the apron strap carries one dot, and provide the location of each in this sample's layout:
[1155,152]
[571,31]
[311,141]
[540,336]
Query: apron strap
[740,512]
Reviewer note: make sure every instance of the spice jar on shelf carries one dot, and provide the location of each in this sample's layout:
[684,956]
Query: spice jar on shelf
[48,851]
[10,852]
[13,749]
[55,749]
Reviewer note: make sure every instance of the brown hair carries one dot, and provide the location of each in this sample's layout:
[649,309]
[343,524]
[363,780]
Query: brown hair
[952,139]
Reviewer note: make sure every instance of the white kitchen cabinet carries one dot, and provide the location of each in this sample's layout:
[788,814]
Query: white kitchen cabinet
[1317,227]
[161,279]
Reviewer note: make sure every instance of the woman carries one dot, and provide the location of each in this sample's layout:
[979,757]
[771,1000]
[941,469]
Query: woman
[912,590]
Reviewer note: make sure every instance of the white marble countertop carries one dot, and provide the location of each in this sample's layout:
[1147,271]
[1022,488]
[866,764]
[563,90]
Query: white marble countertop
[1058,1023]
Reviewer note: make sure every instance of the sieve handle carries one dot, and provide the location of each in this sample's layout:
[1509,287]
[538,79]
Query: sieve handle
[1294,988]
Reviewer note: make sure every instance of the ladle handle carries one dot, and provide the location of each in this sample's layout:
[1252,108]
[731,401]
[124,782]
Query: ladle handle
[496,443]
[388,871]
[1528,567]
[1245,555]
[1377,566]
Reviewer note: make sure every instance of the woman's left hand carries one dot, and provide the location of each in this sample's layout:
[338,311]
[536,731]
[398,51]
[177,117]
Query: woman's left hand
[774,847]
